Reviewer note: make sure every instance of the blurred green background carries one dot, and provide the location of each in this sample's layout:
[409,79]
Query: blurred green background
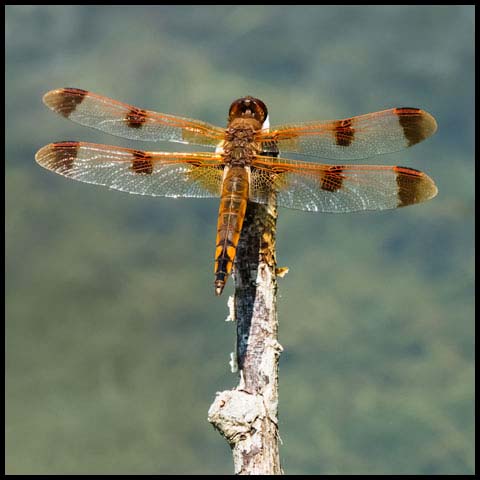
[116,344]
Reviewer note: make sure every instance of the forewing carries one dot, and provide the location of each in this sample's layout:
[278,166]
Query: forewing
[337,188]
[136,171]
[127,121]
[353,138]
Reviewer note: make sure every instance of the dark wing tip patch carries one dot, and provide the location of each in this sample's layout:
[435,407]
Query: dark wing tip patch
[417,124]
[64,100]
[59,157]
[413,186]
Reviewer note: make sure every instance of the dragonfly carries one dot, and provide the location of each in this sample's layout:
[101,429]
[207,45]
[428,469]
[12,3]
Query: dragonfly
[244,163]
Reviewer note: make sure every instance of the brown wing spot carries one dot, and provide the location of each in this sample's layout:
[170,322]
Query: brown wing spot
[65,101]
[142,163]
[136,117]
[64,157]
[332,179]
[344,132]
[417,124]
[413,186]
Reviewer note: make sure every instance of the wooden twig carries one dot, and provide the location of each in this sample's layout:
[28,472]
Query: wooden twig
[247,415]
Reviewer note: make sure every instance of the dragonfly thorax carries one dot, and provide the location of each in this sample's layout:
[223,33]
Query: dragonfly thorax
[240,147]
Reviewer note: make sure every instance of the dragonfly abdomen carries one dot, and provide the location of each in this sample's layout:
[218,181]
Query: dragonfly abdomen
[233,204]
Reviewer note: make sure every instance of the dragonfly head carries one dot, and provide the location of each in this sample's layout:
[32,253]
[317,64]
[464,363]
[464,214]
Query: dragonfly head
[248,107]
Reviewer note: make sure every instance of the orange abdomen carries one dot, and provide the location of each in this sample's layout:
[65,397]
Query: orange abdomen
[233,204]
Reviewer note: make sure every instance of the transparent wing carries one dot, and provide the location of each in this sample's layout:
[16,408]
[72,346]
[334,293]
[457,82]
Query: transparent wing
[337,189]
[136,171]
[127,121]
[353,138]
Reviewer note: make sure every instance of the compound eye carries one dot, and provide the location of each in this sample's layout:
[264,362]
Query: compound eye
[235,109]
[248,107]
[260,110]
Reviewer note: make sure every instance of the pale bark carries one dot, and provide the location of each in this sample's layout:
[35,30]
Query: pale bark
[247,416]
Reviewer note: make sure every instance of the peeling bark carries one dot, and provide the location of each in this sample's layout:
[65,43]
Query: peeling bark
[247,416]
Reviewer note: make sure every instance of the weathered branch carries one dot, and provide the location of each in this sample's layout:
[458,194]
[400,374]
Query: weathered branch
[247,415]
